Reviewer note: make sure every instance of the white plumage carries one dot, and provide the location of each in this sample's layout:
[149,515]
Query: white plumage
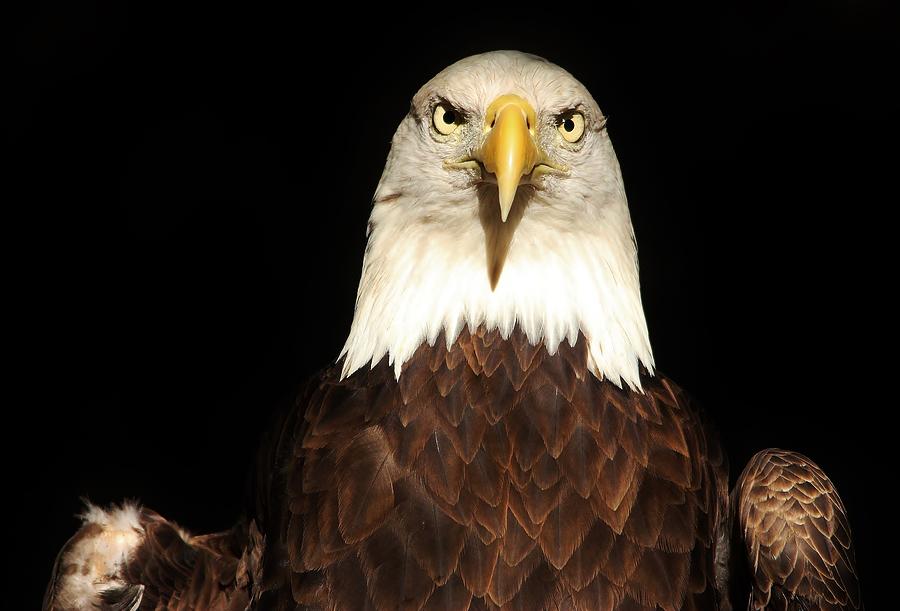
[570,263]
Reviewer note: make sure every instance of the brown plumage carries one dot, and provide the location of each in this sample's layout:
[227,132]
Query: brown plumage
[796,535]
[494,475]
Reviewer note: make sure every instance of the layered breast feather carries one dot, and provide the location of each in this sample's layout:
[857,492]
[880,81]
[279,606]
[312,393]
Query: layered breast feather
[492,474]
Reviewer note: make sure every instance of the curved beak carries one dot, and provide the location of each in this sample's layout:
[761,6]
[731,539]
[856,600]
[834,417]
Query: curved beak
[509,151]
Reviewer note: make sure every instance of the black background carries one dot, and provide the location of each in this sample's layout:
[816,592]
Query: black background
[186,236]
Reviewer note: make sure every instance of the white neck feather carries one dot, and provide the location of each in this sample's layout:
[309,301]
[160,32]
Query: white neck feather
[425,272]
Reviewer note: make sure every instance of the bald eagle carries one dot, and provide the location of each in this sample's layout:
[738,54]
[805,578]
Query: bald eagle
[494,433]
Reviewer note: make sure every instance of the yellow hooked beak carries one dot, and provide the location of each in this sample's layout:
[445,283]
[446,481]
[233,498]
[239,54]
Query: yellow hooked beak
[509,151]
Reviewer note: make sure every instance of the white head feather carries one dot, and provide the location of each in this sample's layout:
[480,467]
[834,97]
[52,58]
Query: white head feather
[570,255]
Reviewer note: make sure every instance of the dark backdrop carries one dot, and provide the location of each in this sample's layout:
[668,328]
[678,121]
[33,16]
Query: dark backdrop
[186,239]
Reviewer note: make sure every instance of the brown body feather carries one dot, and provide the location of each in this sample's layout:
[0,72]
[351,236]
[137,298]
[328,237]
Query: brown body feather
[494,475]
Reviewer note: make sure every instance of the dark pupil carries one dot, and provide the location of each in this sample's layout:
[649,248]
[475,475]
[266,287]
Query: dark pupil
[449,117]
[569,125]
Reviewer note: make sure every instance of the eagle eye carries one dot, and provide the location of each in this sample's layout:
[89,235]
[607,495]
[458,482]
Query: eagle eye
[446,119]
[571,126]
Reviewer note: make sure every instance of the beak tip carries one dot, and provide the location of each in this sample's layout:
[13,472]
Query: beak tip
[505,207]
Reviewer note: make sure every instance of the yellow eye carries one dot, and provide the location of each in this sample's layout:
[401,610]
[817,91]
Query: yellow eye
[446,119]
[571,126]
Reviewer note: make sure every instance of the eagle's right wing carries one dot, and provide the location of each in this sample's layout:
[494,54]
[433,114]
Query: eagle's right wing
[796,535]
[128,558]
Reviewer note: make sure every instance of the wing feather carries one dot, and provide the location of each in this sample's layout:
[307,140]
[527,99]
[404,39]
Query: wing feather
[794,529]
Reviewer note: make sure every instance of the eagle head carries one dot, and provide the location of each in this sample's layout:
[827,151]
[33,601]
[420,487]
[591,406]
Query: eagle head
[501,205]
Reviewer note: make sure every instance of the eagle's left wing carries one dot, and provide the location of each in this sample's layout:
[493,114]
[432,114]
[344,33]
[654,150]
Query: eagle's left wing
[795,534]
